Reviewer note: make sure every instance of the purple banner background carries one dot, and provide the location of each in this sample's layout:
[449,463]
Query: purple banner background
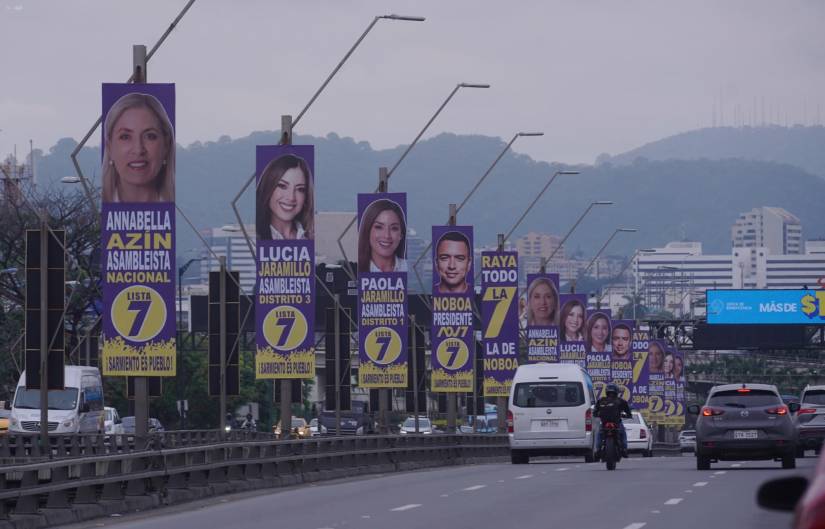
[122,353]
[499,312]
[285,314]
[453,342]
[572,349]
[542,340]
[383,325]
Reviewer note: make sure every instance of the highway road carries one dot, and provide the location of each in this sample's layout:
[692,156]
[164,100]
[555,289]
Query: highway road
[666,492]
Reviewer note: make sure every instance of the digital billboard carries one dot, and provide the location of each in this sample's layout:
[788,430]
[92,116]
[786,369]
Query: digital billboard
[790,307]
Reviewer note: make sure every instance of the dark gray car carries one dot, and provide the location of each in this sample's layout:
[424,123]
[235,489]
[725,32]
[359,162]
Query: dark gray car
[745,422]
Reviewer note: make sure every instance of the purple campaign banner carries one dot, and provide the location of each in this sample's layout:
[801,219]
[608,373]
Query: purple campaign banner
[622,363]
[639,383]
[572,348]
[453,347]
[138,230]
[285,261]
[657,350]
[542,309]
[597,346]
[499,313]
[382,290]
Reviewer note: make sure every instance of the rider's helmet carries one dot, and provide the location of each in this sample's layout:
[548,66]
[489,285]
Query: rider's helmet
[611,388]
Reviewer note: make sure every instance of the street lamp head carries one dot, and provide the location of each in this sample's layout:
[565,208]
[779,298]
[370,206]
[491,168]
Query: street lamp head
[647,250]
[231,228]
[404,17]
[627,230]
[530,134]
[70,180]
[569,172]
[603,203]
[473,85]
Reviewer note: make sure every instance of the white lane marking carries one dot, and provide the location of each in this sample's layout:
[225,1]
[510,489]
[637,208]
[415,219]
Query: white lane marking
[700,484]
[637,525]
[562,469]
[656,512]
[366,516]
[500,481]
[674,501]
[475,487]
[445,495]
[688,491]
[525,476]
[720,472]
[407,507]
[736,465]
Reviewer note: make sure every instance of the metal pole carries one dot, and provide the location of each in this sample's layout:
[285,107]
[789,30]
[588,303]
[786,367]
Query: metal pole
[384,393]
[89,346]
[44,338]
[337,330]
[180,345]
[414,370]
[501,402]
[141,390]
[286,384]
[452,403]
[543,265]
[222,312]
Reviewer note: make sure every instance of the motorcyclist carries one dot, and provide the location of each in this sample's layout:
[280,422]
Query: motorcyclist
[249,423]
[612,408]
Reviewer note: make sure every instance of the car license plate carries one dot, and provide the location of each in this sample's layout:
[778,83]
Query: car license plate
[547,424]
[745,434]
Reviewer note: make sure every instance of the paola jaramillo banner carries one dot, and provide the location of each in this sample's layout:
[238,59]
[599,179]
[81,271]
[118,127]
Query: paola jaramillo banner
[285,278]
[541,308]
[138,229]
[382,290]
[499,313]
[453,347]
[597,346]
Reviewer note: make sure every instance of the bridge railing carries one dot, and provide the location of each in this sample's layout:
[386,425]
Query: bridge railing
[72,489]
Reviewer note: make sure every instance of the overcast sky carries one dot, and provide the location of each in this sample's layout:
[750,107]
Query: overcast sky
[595,76]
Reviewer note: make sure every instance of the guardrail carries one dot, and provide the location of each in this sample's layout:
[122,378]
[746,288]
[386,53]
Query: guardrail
[72,489]
[20,448]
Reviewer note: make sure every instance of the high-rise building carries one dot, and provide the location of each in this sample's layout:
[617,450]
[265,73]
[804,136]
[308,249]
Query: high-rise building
[229,242]
[772,228]
[539,245]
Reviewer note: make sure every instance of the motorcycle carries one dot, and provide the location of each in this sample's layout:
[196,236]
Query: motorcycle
[611,449]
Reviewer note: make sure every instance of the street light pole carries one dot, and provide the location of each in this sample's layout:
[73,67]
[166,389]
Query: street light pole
[533,203]
[543,264]
[404,155]
[615,232]
[182,270]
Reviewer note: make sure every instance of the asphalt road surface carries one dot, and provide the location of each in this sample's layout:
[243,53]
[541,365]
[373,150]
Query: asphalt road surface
[661,492]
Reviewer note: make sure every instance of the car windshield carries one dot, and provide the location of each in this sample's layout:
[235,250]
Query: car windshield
[743,399]
[109,415]
[549,394]
[687,433]
[128,422]
[422,423]
[59,399]
[633,420]
[313,423]
[816,396]
[298,423]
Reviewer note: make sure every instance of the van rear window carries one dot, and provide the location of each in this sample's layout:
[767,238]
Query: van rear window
[548,394]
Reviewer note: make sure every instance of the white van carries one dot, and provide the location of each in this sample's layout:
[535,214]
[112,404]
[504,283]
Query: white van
[78,408]
[551,412]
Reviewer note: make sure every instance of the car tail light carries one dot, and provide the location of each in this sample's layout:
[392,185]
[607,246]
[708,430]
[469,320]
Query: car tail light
[588,420]
[779,410]
[803,411]
[707,411]
[509,421]
[642,434]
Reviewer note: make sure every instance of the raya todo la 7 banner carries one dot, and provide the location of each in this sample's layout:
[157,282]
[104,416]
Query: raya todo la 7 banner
[639,382]
[572,347]
[285,278]
[382,290]
[138,229]
[499,313]
[541,315]
[453,347]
